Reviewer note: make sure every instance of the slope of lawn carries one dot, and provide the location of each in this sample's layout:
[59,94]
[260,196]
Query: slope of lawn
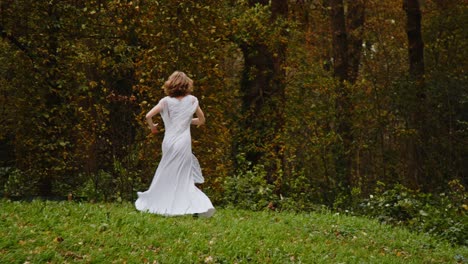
[69,232]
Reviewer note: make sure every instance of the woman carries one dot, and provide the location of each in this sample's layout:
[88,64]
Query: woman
[173,190]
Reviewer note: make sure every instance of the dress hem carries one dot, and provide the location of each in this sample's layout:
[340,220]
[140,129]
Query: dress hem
[203,213]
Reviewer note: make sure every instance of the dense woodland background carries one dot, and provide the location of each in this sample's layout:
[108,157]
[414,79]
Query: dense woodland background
[307,101]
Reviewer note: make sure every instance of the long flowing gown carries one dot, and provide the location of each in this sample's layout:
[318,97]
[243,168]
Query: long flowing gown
[173,190]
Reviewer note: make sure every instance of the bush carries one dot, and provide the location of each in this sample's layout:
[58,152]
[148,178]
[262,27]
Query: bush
[442,215]
[97,187]
[248,189]
[18,183]
[300,195]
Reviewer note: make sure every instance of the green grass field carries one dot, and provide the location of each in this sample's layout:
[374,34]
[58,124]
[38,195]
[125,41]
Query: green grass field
[69,232]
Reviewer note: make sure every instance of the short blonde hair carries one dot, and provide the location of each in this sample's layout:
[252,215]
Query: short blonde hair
[178,84]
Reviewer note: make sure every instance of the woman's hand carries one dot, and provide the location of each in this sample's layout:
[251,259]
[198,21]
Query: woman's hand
[149,118]
[154,128]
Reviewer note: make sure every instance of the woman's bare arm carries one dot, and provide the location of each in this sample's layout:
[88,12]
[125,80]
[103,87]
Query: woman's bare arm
[200,119]
[149,118]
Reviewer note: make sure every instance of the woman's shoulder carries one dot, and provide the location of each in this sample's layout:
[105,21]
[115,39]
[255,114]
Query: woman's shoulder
[163,101]
[193,98]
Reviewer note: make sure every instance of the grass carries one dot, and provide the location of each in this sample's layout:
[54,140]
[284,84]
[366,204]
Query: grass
[69,232]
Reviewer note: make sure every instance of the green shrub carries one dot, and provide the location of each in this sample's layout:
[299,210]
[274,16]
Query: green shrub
[98,187]
[249,189]
[300,195]
[18,183]
[4,174]
[442,215]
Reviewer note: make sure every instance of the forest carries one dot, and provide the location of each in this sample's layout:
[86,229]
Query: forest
[308,102]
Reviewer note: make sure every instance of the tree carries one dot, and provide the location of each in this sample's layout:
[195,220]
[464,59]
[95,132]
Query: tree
[416,73]
[415,42]
[346,50]
[355,27]
[263,84]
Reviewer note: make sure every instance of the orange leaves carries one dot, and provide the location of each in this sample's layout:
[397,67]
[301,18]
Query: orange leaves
[58,239]
[397,252]
[113,97]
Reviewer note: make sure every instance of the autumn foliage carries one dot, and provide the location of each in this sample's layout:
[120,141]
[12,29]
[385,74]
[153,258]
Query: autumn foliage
[306,101]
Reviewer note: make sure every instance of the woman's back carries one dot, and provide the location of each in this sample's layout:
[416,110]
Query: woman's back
[177,113]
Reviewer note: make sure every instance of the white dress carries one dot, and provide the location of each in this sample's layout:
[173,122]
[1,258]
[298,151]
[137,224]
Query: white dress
[173,190]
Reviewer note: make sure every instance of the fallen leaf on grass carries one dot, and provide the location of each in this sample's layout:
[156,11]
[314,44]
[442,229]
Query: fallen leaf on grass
[154,249]
[103,227]
[145,260]
[70,254]
[209,259]
[401,253]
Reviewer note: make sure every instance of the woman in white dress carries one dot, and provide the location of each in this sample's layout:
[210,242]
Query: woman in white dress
[173,191]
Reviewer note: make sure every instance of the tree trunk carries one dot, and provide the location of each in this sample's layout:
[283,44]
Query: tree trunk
[346,49]
[355,28]
[339,40]
[416,73]
[52,100]
[415,44]
[262,89]
[342,103]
